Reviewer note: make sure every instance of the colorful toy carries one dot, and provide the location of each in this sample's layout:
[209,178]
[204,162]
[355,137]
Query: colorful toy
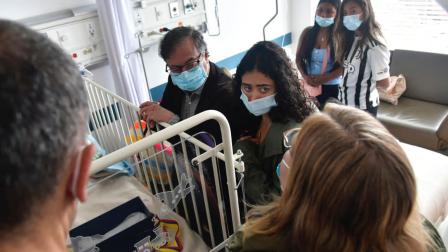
[136,132]
[159,162]
[167,237]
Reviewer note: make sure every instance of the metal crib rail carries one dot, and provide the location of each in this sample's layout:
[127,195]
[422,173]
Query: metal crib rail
[113,120]
[172,131]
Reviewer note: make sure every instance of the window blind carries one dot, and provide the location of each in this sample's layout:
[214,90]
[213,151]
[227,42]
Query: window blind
[419,25]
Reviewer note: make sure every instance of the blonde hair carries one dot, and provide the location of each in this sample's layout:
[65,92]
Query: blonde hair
[370,30]
[350,188]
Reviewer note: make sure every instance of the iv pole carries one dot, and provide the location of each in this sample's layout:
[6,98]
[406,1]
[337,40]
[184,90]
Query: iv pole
[270,20]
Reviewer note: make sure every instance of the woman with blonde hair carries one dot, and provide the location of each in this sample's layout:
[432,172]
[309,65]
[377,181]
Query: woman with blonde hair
[349,187]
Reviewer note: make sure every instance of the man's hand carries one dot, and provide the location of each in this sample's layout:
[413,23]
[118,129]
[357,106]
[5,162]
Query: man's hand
[152,111]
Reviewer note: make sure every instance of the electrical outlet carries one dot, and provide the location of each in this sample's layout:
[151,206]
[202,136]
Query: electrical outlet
[91,30]
[138,18]
[174,9]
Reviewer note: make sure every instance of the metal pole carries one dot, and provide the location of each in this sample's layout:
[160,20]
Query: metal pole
[270,20]
[140,52]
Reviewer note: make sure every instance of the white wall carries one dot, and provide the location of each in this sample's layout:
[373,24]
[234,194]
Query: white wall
[241,26]
[302,16]
[20,9]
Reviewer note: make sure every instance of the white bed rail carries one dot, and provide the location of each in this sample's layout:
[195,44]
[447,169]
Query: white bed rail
[172,131]
[112,118]
[116,124]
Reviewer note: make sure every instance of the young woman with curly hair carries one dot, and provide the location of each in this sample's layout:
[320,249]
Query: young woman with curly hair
[269,88]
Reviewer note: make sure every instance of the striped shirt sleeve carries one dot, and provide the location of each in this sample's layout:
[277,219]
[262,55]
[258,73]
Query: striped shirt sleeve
[379,57]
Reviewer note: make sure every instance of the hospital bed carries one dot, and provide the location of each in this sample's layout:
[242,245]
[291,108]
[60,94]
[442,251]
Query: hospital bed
[160,170]
[115,123]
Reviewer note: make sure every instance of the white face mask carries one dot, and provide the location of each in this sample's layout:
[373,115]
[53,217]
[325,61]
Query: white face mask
[260,106]
[352,22]
[190,80]
[324,22]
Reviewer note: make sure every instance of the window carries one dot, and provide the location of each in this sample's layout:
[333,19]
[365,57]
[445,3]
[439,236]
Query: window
[419,25]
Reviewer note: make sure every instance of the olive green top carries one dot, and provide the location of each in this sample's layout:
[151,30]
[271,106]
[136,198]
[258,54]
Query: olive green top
[261,160]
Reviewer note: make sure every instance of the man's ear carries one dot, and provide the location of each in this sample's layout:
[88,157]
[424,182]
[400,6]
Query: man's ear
[80,176]
[206,55]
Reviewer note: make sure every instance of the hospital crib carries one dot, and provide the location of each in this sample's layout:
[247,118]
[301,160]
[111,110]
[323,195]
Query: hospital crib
[115,123]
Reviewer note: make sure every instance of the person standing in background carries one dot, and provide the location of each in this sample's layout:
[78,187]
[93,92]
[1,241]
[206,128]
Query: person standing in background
[361,48]
[315,56]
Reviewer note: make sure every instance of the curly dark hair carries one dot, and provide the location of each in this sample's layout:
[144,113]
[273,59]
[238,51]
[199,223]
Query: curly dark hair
[271,60]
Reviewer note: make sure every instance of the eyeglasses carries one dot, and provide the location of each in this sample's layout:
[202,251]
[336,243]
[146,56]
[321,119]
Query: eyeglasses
[187,66]
[288,137]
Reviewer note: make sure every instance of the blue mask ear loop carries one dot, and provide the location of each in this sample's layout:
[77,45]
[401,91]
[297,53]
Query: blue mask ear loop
[278,167]
[278,170]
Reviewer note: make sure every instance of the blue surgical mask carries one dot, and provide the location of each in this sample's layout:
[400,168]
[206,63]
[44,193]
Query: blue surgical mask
[260,106]
[352,22]
[324,22]
[190,80]
[277,170]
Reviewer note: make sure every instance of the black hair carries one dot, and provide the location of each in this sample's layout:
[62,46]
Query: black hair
[44,113]
[309,40]
[177,35]
[271,60]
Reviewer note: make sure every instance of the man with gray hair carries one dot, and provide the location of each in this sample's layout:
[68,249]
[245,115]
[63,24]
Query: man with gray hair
[44,160]
[194,85]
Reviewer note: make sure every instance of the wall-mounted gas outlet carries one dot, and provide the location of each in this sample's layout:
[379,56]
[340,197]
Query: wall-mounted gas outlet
[174,9]
[138,17]
[188,6]
[92,30]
